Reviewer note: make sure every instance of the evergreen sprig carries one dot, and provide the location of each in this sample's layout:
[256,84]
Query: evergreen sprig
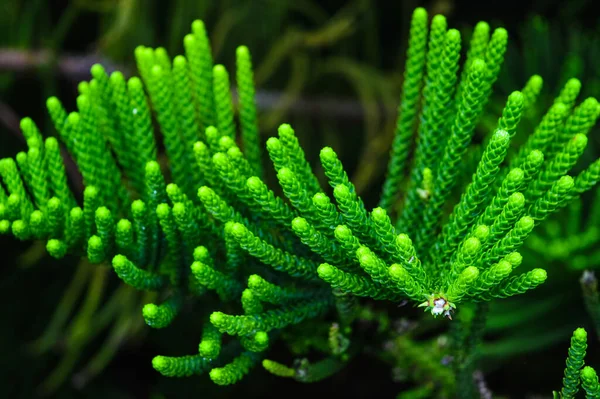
[577,376]
[207,222]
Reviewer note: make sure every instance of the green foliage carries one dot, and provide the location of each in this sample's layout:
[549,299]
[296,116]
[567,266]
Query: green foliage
[576,375]
[303,257]
[184,366]
[589,382]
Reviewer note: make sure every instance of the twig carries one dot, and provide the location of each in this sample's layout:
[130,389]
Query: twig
[77,68]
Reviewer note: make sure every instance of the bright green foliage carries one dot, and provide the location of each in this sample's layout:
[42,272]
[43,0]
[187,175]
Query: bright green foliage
[459,138]
[258,342]
[184,366]
[210,346]
[271,293]
[407,111]
[576,374]
[296,159]
[223,105]
[511,114]
[352,283]
[442,64]
[234,371]
[225,286]
[160,316]
[138,278]
[206,221]
[353,211]
[589,382]
[292,187]
[248,119]
[569,93]
[143,136]
[405,283]
[575,362]
[587,179]
[189,123]
[465,211]
[278,369]
[124,237]
[172,236]
[271,205]
[531,91]
[269,320]
[573,243]
[511,183]
[511,241]
[106,232]
[477,48]
[580,121]
[544,133]
[516,285]
[555,197]
[490,278]
[317,241]
[197,48]
[306,371]
[463,282]
[266,253]
[562,163]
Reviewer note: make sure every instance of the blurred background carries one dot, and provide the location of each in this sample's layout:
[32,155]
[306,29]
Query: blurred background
[333,69]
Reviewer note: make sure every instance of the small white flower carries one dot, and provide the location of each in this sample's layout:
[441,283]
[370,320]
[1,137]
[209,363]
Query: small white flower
[437,311]
[438,306]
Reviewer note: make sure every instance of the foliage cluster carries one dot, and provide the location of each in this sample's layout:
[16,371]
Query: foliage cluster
[201,223]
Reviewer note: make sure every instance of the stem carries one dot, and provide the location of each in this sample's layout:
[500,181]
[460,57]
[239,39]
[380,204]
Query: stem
[467,337]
